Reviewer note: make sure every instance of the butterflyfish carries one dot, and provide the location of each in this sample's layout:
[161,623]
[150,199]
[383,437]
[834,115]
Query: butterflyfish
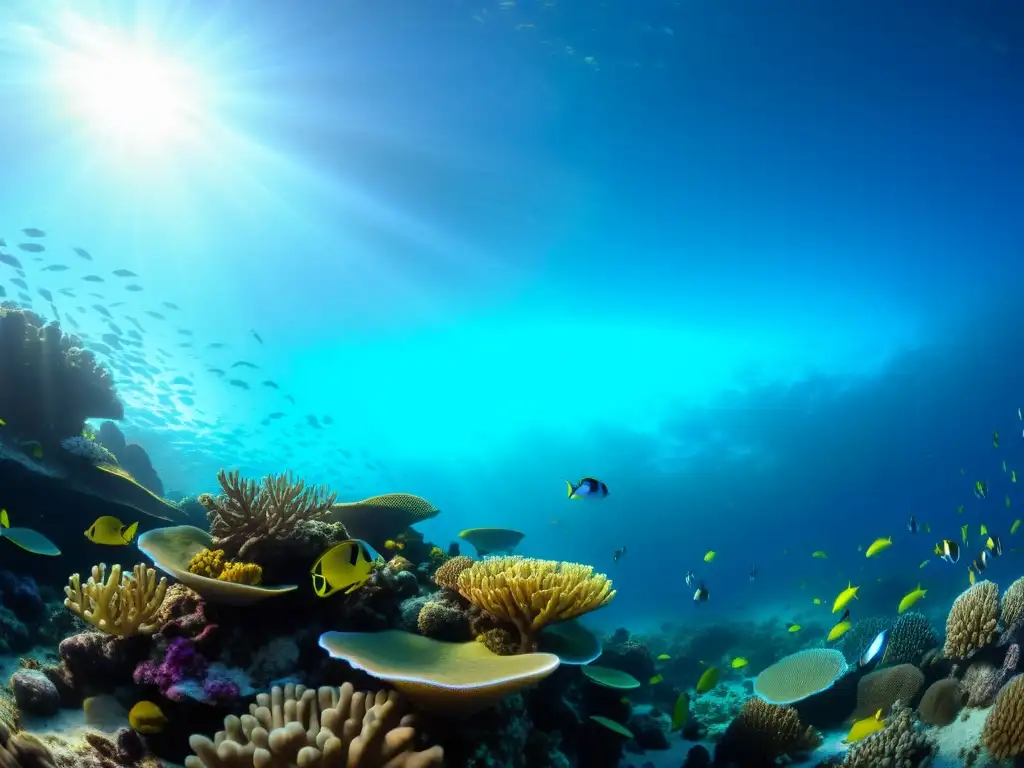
[587,488]
[111,531]
[345,567]
[948,550]
[26,538]
[147,718]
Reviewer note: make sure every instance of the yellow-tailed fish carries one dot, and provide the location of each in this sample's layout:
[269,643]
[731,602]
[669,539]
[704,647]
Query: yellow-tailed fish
[738,663]
[817,601]
[970,575]
[844,597]
[963,532]
[791,627]
[710,556]
[820,555]
[680,711]
[708,680]
[111,531]
[1015,526]
[655,679]
[147,718]
[983,529]
[910,598]
[663,657]
[344,567]
[839,630]
[865,727]
[3,423]
[877,546]
[26,538]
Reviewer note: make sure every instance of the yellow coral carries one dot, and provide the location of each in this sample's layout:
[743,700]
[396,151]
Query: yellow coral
[972,620]
[447,575]
[123,604]
[531,594]
[437,557]
[207,562]
[242,573]
[211,564]
[1003,734]
[399,564]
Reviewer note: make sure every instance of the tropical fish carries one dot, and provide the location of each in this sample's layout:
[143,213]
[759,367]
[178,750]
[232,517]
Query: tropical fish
[663,657]
[819,555]
[844,597]
[587,488]
[970,576]
[980,562]
[963,532]
[981,489]
[738,663]
[995,439]
[710,555]
[912,524]
[1013,475]
[817,601]
[124,273]
[35,448]
[655,679]
[948,550]
[618,553]
[910,598]
[147,718]
[839,630]
[753,573]
[1008,503]
[960,509]
[994,545]
[26,538]
[875,649]
[344,567]
[877,546]
[865,727]
[792,628]
[3,423]
[111,531]
[924,563]
[983,529]
[1015,526]
[392,545]
[701,595]
[708,680]
[33,232]
[680,711]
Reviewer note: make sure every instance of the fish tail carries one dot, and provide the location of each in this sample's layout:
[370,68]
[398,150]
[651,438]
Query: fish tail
[571,488]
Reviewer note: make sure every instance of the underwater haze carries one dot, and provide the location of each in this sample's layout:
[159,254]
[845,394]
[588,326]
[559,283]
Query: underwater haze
[756,266]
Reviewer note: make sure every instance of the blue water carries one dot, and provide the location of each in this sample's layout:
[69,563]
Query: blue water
[756,266]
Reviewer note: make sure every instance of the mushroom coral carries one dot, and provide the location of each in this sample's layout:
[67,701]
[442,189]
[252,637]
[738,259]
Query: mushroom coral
[530,593]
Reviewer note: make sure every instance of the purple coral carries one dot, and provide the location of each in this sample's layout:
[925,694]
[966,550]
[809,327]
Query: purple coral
[181,662]
[220,691]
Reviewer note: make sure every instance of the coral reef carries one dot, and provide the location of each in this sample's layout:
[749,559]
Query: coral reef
[1012,606]
[122,604]
[856,641]
[447,574]
[881,689]
[800,675]
[762,733]
[972,621]
[212,565]
[942,702]
[898,745]
[912,636]
[1003,735]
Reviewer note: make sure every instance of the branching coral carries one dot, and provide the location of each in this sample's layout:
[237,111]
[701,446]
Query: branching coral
[249,513]
[972,621]
[325,728]
[123,604]
[211,563]
[531,594]
[762,733]
[1003,734]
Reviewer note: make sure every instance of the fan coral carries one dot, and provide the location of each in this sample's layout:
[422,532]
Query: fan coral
[912,636]
[972,620]
[329,728]
[880,689]
[795,677]
[1003,734]
[250,513]
[447,575]
[898,745]
[121,605]
[942,702]
[49,385]
[530,594]
[1013,603]
[762,733]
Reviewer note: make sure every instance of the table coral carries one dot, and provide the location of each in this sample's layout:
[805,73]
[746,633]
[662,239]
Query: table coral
[250,513]
[800,675]
[972,621]
[530,593]
[326,728]
[122,604]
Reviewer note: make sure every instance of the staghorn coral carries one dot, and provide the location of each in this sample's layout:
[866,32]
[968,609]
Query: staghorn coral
[898,745]
[942,702]
[324,728]
[880,689]
[1012,607]
[762,733]
[121,605]
[251,513]
[912,636]
[447,574]
[530,593]
[972,621]
[1003,734]
[49,384]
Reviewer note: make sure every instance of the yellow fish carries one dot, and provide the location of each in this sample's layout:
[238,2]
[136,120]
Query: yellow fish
[963,532]
[927,527]
[960,509]
[983,529]
[111,531]
[708,680]
[147,718]
[995,439]
[819,555]
[344,567]
[970,576]
[877,546]
[817,601]
[1013,475]
[3,423]
[839,630]
[392,545]
[663,657]
[910,598]
[1015,526]
[680,711]
[865,727]
[710,556]
[848,594]
[739,663]
[924,563]
[655,680]
[791,628]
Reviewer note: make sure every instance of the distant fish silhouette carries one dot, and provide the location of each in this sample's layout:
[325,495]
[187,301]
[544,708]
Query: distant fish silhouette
[256,336]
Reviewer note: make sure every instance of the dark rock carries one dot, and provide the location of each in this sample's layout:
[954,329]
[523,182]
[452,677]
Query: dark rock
[35,693]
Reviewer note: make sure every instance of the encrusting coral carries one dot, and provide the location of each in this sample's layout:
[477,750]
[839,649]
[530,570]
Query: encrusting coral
[123,604]
[250,513]
[211,563]
[530,594]
[972,621]
[324,728]
[762,733]
[1003,734]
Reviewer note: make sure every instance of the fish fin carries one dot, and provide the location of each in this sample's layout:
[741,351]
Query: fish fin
[5,521]
[570,488]
[129,533]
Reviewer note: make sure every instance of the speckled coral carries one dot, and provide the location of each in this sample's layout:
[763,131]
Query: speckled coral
[912,636]
[898,745]
[1013,603]
[442,621]
[880,689]
[972,621]
[1003,734]
[762,733]
[447,575]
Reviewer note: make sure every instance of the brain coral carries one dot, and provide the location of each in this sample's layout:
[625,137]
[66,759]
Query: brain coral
[447,575]
[1013,603]
[1003,735]
[799,675]
[942,702]
[911,637]
[899,745]
[880,689]
[762,733]
[972,620]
